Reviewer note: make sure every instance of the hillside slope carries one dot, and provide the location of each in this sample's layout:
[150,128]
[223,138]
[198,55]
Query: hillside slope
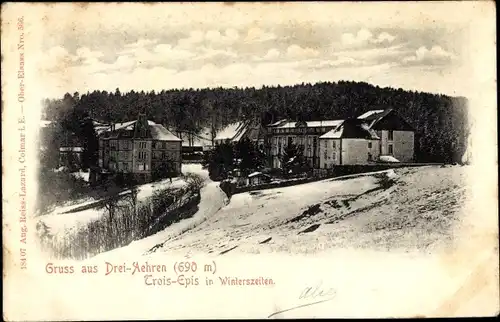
[417,211]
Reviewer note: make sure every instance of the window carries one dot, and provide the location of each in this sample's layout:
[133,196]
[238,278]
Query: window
[113,144]
[334,144]
[390,149]
[142,145]
[369,145]
[143,155]
[390,135]
[141,166]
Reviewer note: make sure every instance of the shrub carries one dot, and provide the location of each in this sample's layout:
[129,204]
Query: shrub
[128,223]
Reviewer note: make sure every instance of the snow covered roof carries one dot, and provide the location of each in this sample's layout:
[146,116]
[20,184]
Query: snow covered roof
[159,132]
[278,122]
[351,129]
[232,132]
[72,149]
[370,113]
[120,126]
[372,117]
[327,123]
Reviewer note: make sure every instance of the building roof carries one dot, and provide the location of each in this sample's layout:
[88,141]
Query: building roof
[372,117]
[328,123]
[159,132]
[351,129]
[278,122]
[377,118]
[232,132]
[370,114]
[71,149]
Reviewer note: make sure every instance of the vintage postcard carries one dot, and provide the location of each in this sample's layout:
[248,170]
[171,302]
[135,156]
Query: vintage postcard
[249,160]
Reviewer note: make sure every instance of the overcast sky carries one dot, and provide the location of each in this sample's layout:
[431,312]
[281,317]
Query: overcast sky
[423,47]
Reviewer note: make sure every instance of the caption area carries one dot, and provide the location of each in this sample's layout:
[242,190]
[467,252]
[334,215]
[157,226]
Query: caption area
[182,273]
[21,129]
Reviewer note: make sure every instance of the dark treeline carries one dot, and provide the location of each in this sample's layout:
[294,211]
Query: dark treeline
[440,121]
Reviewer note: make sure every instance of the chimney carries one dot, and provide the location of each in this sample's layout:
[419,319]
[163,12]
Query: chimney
[142,119]
[141,126]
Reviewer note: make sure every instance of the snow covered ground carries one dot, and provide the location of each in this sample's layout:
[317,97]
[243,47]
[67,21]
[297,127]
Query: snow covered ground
[63,221]
[418,212]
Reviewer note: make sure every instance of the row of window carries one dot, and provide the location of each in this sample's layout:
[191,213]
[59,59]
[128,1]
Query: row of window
[128,144]
[141,155]
[302,130]
[390,133]
[298,140]
[163,155]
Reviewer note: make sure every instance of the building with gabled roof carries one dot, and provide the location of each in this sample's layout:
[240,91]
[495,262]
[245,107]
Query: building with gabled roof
[304,134]
[352,142]
[359,140]
[140,147]
[397,136]
[237,131]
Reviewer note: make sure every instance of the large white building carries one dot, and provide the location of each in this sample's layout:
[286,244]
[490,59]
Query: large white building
[397,136]
[340,142]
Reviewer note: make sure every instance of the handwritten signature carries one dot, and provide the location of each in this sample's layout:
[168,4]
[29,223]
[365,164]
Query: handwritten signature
[311,295]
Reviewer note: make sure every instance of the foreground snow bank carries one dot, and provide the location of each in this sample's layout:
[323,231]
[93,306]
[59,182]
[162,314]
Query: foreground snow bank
[405,208]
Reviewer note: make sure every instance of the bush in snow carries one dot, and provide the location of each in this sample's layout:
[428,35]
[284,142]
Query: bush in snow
[126,220]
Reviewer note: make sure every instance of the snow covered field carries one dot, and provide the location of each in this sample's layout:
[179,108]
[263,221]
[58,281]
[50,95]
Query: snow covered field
[418,212]
[63,221]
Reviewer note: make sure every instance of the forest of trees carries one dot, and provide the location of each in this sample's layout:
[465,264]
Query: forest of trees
[440,121]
